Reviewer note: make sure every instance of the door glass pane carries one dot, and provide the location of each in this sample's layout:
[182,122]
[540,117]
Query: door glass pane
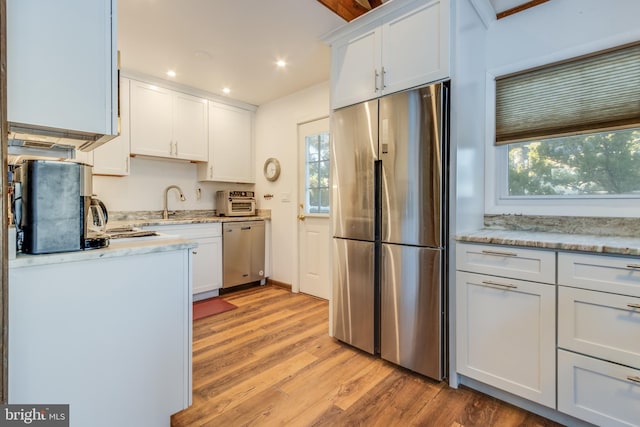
[317,173]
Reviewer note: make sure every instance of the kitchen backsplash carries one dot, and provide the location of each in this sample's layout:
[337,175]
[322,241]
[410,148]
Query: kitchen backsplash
[599,226]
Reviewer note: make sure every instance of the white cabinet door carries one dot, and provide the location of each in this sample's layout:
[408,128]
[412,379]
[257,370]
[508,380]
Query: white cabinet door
[415,46]
[231,149]
[407,47]
[207,257]
[151,120]
[112,158]
[357,68]
[207,265]
[169,124]
[190,127]
[61,64]
[506,335]
[602,393]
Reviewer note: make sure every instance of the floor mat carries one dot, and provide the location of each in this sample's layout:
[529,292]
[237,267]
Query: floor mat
[211,306]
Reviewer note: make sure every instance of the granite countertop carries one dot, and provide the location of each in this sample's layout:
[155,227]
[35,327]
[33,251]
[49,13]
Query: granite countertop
[151,218]
[116,248]
[137,245]
[559,241]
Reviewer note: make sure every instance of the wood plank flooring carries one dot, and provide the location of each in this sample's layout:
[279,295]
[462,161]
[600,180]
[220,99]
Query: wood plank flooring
[270,362]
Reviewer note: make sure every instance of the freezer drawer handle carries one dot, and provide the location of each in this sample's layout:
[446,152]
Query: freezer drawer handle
[498,253]
[634,379]
[499,285]
[636,266]
[633,305]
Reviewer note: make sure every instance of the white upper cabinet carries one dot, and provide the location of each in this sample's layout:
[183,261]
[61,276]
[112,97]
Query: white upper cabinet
[356,68]
[62,65]
[169,124]
[406,47]
[112,158]
[190,127]
[231,152]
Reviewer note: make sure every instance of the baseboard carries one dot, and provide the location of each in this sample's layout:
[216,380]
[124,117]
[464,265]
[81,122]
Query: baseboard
[278,284]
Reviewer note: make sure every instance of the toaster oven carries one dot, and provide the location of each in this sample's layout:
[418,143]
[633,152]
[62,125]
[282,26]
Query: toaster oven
[235,203]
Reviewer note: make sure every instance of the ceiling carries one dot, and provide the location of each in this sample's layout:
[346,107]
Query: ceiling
[211,44]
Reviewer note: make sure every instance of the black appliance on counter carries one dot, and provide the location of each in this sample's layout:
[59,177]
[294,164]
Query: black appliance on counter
[51,207]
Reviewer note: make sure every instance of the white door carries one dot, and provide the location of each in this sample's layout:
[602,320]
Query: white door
[313,210]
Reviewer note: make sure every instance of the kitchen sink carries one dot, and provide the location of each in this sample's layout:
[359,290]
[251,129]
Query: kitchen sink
[129,232]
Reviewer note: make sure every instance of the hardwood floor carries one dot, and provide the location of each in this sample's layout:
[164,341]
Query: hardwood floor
[270,362]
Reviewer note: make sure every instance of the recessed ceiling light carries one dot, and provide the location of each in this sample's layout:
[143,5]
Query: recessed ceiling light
[226,90]
[171,73]
[281,63]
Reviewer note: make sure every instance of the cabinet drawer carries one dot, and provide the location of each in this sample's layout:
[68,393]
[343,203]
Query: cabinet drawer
[599,392]
[600,324]
[507,261]
[619,275]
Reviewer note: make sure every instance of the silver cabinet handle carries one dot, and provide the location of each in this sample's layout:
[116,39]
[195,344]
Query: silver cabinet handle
[633,305]
[171,148]
[635,266]
[498,285]
[634,379]
[210,171]
[176,147]
[384,85]
[375,79]
[498,253]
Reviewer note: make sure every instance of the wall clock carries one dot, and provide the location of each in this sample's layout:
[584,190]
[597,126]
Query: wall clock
[271,169]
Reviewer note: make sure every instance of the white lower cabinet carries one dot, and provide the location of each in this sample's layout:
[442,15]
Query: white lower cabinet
[206,258]
[506,334]
[506,328]
[600,392]
[599,338]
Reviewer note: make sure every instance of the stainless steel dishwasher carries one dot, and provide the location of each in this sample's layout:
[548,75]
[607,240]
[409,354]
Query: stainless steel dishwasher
[242,252]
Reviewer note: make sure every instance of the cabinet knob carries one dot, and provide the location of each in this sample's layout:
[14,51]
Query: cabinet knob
[194,252]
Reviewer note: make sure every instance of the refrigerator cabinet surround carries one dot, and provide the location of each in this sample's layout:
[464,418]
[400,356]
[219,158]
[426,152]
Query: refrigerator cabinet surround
[389,166]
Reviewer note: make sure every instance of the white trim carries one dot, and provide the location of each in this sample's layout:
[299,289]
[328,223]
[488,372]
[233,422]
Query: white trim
[485,11]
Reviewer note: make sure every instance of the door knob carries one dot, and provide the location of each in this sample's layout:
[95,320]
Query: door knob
[301,217]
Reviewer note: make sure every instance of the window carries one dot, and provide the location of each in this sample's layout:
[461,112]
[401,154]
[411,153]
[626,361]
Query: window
[317,173]
[593,165]
[571,129]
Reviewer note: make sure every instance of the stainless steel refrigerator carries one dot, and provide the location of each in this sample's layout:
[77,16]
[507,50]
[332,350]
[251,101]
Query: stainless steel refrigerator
[389,217]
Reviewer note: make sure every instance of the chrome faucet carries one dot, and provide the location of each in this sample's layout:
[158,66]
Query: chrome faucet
[165,213]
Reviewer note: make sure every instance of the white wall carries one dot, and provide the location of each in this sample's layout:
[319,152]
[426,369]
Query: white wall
[143,189]
[277,136]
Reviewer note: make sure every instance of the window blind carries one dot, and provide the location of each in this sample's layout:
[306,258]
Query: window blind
[589,94]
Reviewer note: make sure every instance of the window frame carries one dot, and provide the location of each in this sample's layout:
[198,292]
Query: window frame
[306,203]
[496,161]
